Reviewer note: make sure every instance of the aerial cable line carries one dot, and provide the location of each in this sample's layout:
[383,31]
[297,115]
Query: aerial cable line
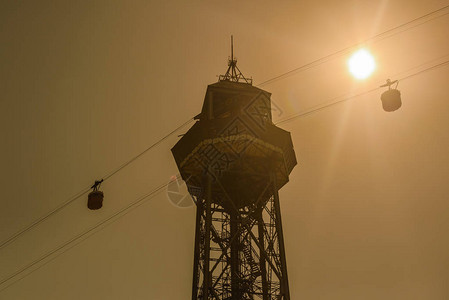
[276,78]
[86,234]
[122,212]
[444,63]
[329,104]
[390,32]
[146,150]
[86,189]
[47,215]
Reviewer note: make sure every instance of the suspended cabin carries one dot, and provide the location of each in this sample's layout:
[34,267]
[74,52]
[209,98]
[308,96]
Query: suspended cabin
[95,198]
[391,99]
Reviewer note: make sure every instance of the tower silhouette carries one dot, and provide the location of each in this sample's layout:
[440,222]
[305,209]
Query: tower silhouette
[234,160]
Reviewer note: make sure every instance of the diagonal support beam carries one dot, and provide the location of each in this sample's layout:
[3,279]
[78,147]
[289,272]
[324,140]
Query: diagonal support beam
[268,259]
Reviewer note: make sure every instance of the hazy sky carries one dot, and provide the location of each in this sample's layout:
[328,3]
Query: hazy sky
[87,85]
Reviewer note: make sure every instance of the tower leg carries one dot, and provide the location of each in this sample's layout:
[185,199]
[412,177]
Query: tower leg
[196,257]
[235,264]
[263,268]
[207,228]
[284,280]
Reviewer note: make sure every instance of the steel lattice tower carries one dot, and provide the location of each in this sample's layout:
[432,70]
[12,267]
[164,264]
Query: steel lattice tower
[234,160]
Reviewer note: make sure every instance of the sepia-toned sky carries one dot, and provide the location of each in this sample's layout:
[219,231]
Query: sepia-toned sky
[88,85]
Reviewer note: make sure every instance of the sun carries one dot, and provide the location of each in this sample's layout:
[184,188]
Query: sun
[361,64]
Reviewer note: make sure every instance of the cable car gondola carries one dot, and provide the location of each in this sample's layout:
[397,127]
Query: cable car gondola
[95,198]
[391,99]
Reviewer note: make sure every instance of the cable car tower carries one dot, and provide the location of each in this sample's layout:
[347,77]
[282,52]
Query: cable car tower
[234,160]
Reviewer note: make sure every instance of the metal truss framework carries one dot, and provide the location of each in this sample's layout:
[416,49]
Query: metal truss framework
[239,253]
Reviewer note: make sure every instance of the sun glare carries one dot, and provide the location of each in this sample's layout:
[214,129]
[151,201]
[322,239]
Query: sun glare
[361,64]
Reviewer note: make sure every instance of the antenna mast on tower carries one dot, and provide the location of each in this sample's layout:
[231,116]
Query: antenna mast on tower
[233,73]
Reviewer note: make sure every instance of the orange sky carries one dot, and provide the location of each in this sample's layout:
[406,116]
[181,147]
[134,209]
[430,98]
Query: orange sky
[88,85]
